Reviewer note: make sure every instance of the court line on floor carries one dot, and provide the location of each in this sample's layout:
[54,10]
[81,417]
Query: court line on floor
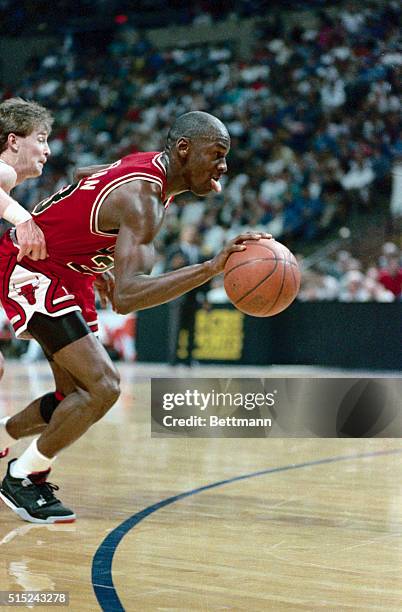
[102,580]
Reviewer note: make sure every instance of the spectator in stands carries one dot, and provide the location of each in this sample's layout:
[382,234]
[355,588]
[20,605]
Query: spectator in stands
[318,286]
[376,291]
[353,287]
[388,249]
[391,276]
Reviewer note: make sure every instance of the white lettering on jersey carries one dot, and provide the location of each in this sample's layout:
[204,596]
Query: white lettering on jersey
[89,184]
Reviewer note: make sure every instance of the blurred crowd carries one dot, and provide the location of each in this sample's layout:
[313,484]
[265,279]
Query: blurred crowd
[313,114]
[347,279]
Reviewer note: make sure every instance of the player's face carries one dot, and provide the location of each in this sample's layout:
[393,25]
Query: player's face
[33,153]
[207,163]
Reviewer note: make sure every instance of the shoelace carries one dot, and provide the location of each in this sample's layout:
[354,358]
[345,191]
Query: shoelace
[45,488]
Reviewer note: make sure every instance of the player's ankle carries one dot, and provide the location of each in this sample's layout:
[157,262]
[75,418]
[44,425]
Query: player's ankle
[30,461]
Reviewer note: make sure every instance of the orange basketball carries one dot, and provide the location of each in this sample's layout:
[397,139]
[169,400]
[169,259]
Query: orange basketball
[263,279]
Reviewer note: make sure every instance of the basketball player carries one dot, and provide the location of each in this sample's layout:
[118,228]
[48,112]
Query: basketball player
[107,219]
[24,129]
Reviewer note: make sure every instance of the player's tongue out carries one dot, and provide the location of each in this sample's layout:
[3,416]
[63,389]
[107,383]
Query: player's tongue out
[216,186]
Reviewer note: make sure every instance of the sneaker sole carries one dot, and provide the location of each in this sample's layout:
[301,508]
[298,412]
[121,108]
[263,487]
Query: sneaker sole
[25,516]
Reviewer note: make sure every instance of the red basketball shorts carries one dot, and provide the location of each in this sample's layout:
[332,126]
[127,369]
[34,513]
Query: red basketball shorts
[42,286]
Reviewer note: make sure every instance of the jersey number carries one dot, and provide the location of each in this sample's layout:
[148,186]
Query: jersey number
[102,262]
[64,192]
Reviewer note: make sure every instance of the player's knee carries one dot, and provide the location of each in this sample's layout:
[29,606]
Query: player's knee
[105,393]
[111,389]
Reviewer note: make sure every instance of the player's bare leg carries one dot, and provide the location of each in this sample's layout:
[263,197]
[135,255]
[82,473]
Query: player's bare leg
[86,399]
[29,421]
[85,372]
[97,389]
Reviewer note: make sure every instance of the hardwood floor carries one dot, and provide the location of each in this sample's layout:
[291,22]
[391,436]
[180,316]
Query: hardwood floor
[319,529]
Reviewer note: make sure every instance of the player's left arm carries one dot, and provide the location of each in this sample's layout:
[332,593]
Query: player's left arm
[141,214]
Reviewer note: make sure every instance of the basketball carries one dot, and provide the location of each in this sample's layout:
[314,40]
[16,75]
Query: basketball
[263,279]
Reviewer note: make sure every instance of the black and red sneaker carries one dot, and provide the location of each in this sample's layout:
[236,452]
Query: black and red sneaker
[32,498]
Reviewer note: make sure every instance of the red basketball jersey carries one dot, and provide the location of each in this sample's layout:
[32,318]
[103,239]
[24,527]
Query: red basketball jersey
[69,218]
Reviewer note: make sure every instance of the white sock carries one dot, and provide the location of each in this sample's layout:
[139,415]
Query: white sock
[6,441]
[30,461]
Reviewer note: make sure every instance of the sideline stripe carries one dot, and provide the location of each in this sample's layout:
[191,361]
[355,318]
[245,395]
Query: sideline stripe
[102,580]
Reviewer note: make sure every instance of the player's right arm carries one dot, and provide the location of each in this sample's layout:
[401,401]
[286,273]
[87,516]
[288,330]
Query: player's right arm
[30,237]
[141,215]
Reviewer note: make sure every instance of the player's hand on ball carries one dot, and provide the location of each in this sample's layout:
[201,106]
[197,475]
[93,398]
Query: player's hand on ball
[237,244]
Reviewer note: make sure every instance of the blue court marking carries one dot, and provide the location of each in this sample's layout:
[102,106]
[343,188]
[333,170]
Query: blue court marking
[102,581]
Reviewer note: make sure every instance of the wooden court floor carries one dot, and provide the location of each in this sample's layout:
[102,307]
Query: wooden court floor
[320,529]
